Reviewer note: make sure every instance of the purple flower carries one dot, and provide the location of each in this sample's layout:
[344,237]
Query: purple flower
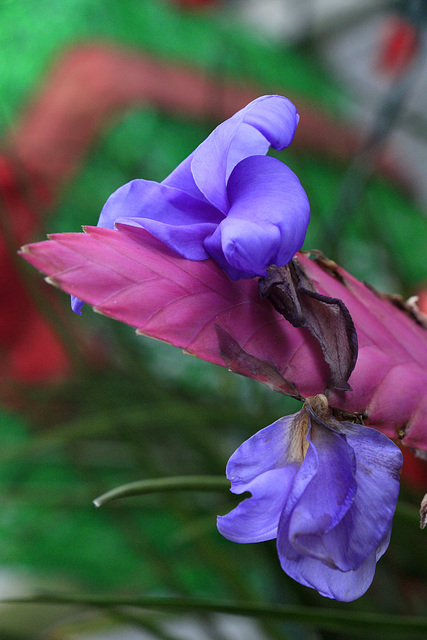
[227,200]
[327,490]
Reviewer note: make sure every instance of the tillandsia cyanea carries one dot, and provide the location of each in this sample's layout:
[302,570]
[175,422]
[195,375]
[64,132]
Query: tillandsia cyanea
[229,212]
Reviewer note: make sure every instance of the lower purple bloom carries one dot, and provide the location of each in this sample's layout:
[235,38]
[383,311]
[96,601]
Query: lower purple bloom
[327,490]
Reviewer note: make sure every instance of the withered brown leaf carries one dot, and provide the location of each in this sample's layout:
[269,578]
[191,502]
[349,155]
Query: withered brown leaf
[294,295]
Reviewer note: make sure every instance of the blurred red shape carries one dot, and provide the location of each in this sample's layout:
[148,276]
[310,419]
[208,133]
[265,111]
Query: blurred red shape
[399,46]
[30,349]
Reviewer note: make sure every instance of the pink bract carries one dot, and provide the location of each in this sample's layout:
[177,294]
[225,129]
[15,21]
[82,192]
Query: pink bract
[195,306]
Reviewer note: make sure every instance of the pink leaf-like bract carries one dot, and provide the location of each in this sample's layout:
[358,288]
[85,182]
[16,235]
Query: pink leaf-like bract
[195,306]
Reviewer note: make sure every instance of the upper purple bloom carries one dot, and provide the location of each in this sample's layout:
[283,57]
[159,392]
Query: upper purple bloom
[227,200]
[327,494]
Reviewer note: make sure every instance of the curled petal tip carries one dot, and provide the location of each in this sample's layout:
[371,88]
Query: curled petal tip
[76,305]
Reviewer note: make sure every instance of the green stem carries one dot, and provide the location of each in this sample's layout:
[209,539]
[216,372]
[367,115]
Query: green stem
[177,483]
[332,619]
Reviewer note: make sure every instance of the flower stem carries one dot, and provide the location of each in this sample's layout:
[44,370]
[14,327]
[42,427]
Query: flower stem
[176,483]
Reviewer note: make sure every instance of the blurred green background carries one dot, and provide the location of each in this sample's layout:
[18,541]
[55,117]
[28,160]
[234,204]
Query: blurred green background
[130,408]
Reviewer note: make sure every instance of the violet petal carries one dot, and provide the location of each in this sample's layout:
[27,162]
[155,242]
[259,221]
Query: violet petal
[76,305]
[267,221]
[326,499]
[185,240]
[267,449]
[328,581]
[146,199]
[273,117]
[367,523]
[255,519]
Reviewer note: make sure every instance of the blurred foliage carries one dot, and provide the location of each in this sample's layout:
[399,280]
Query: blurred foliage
[148,410]
[32,33]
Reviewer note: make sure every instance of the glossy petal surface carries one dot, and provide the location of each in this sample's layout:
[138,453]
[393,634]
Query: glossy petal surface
[188,208]
[330,508]
[344,586]
[328,496]
[264,451]
[377,477]
[170,214]
[267,220]
[256,519]
[269,120]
